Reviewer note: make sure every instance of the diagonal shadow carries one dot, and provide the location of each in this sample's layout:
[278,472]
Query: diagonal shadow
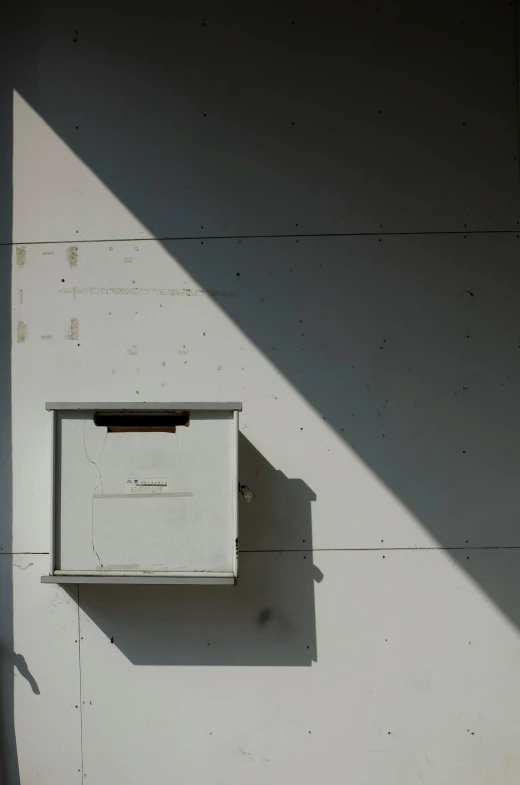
[409,344]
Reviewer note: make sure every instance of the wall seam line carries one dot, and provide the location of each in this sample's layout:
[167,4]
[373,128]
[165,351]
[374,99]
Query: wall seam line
[390,548]
[310,550]
[281,236]
[24,553]
[80,690]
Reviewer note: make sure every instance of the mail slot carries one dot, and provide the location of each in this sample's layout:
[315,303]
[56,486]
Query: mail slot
[144,493]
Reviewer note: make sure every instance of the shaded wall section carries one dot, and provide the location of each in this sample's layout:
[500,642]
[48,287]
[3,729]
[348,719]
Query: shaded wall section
[8,754]
[233,119]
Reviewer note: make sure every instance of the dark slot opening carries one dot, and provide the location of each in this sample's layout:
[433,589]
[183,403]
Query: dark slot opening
[125,422]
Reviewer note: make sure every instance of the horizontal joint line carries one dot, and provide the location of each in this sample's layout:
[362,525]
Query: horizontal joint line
[426,232]
[390,548]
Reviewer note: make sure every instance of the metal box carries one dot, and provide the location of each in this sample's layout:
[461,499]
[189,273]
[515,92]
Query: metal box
[144,493]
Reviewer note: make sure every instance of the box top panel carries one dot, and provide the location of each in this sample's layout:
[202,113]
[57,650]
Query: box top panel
[146,406]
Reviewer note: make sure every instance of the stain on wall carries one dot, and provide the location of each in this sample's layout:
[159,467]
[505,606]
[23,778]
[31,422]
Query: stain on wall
[74,329]
[21,332]
[21,256]
[138,290]
[72,256]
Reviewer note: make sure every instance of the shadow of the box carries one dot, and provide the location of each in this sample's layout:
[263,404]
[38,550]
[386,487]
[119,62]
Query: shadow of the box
[267,619]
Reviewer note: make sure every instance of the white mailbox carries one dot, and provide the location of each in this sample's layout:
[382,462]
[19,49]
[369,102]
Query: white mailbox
[144,493]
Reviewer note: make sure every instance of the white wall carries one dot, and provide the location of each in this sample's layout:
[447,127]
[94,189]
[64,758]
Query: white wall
[317,213]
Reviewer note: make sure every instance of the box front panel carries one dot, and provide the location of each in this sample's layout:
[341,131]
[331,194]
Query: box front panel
[154,501]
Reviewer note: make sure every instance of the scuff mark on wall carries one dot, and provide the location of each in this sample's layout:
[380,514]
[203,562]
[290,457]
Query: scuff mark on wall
[72,255]
[21,256]
[20,296]
[129,259]
[21,332]
[263,617]
[30,564]
[137,290]
[183,350]
[46,337]
[74,329]
[132,351]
